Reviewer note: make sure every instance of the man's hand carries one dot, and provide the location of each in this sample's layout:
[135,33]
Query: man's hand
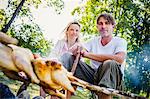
[84,53]
[36,55]
[23,75]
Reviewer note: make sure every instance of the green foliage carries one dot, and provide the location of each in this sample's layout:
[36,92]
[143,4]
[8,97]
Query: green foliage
[24,28]
[82,93]
[57,5]
[14,85]
[2,18]
[30,36]
[133,24]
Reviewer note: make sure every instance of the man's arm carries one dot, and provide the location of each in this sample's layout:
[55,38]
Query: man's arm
[119,57]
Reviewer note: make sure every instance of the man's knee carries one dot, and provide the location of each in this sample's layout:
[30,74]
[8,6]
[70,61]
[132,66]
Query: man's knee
[107,62]
[110,63]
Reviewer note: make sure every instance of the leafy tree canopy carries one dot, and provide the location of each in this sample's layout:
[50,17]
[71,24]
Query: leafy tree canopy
[24,27]
[133,24]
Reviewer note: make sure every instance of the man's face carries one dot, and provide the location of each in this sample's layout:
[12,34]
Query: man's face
[104,27]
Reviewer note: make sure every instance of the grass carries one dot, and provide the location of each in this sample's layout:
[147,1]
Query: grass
[14,85]
[33,89]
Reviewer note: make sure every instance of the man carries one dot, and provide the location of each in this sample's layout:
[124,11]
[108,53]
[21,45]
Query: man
[107,55]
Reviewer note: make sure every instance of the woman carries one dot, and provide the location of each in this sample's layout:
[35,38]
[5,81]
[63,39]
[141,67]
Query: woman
[69,43]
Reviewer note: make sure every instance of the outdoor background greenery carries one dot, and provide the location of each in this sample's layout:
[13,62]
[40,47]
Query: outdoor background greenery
[132,23]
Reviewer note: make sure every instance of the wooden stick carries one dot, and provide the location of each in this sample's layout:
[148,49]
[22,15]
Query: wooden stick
[42,92]
[108,91]
[74,66]
[23,87]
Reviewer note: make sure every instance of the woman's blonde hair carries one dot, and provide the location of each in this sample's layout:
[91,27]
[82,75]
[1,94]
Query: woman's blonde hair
[66,29]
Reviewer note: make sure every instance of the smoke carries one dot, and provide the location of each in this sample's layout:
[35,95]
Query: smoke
[137,72]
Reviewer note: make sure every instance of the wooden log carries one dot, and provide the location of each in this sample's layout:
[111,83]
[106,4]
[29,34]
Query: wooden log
[104,90]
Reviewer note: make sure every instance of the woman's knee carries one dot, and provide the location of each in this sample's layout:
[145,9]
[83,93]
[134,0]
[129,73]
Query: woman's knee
[67,60]
[66,57]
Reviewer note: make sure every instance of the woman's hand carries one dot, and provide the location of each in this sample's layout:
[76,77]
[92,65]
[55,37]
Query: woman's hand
[74,48]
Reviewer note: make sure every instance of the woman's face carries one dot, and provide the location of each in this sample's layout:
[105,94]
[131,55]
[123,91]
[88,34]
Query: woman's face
[73,31]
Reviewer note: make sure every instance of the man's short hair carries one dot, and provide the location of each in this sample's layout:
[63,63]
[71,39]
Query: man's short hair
[107,17]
